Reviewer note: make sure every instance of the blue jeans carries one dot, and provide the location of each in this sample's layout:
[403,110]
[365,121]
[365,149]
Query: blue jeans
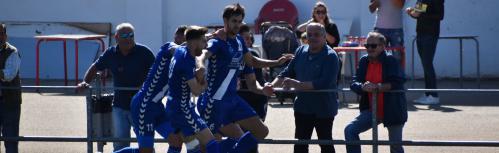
[394,38]
[122,123]
[363,123]
[427,45]
[10,112]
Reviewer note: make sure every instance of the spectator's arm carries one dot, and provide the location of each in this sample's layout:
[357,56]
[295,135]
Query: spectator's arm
[330,39]
[439,11]
[288,72]
[303,27]
[373,5]
[11,68]
[90,74]
[359,78]
[305,85]
[332,31]
[260,63]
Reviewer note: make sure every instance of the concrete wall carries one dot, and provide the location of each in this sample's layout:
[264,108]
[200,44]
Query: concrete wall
[156,20]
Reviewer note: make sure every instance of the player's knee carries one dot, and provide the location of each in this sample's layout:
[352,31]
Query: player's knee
[175,140]
[262,132]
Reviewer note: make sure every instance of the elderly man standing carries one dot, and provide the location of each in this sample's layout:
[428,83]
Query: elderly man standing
[314,67]
[129,63]
[10,99]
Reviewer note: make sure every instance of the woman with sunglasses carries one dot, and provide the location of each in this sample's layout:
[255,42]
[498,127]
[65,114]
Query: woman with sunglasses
[320,15]
[378,72]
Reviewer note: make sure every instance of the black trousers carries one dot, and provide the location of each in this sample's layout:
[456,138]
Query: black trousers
[10,113]
[305,124]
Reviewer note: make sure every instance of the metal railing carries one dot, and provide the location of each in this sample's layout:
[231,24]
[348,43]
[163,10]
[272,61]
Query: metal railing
[90,139]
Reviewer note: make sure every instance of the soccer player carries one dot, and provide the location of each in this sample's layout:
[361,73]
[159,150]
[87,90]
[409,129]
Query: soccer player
[185,79]
[219,105]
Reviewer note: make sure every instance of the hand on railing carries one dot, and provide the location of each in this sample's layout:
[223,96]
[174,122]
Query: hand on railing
[370,87]
[268,89]
[82,86]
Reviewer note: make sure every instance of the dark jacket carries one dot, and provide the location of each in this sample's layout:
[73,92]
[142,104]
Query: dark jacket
[395,106]
[428,23]
[10,95]
[321,69]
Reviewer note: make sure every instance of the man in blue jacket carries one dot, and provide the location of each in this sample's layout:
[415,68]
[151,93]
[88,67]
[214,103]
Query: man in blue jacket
[378,72]
[314,67]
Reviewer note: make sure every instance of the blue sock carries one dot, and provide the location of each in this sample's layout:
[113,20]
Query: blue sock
[245,144]
[213,147]
[227,144]
[173,149]
[128,150]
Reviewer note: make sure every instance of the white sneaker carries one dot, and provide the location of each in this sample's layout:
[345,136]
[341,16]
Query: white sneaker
[428,100]
[422,98]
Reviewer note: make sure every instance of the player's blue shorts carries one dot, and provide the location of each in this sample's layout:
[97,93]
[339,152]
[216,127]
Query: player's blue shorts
[184,117]
[217,113]
[148,117]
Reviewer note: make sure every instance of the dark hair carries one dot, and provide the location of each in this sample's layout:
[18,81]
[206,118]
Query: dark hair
[4,27]
[233,10]
[244,28]
[321,4]
[195,32]
[180,30]
[381,38]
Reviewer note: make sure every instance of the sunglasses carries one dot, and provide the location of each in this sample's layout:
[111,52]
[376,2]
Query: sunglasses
[126,35]
[371,45]
[320,12]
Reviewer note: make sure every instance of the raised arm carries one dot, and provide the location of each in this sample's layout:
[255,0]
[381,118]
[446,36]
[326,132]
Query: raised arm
[303,27]
[196,87]
[260,63]
[198,83]
[201,60]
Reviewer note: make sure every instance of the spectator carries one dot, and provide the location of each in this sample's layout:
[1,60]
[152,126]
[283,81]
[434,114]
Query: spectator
[428,13]
[378,71]
[314,67]
[129,63]
[389,21]
[10,99]
[320,15]
[257,101]
[153,112]
[179,36]
[303,39]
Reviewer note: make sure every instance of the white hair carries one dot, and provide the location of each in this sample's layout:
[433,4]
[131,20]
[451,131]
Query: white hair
[124,25]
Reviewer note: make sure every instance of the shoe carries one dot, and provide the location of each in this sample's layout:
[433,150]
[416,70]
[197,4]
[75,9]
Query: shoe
[422,98]
[428,100]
